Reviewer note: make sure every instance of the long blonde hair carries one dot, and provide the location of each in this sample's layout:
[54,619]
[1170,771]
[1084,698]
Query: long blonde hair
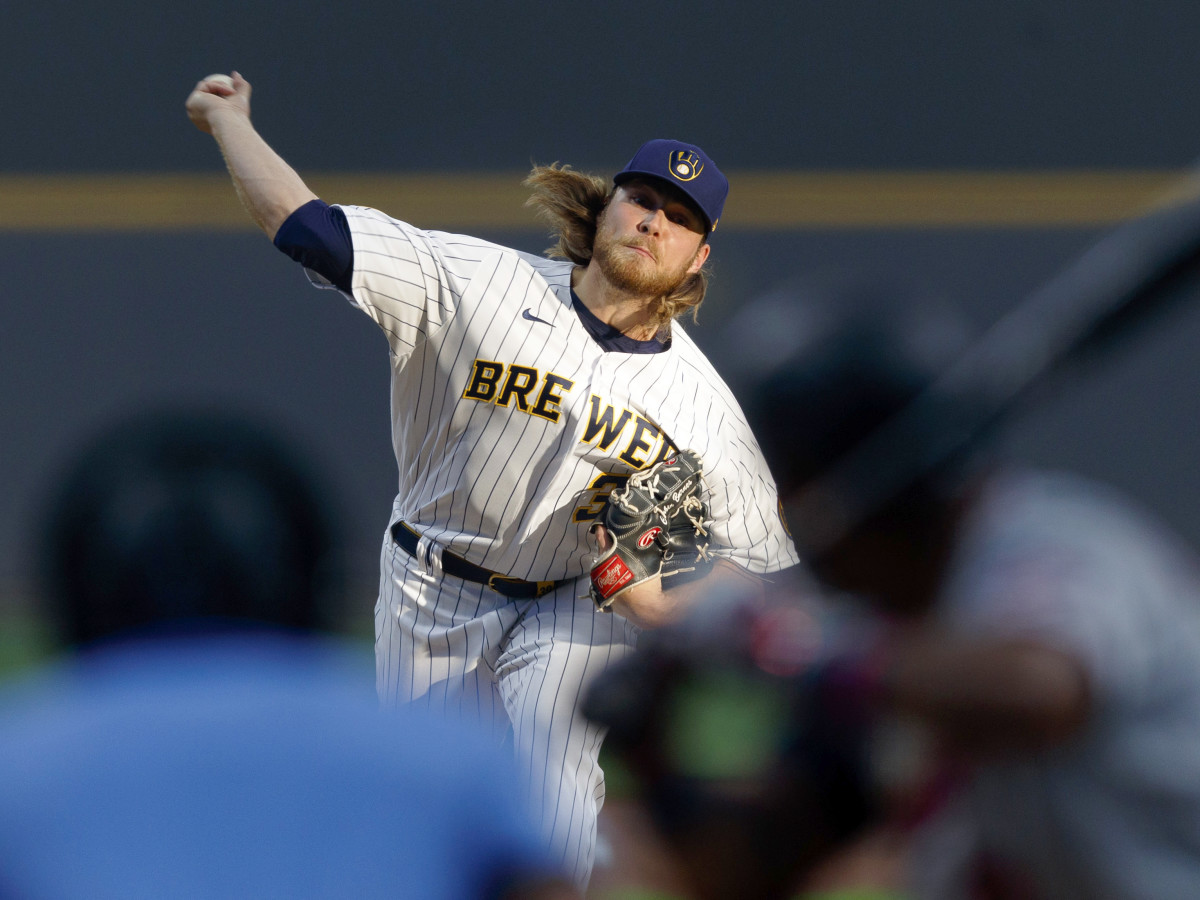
[571,203]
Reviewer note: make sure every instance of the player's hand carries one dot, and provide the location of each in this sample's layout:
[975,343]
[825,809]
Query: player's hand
[644,604]
[213,97]
[603,538]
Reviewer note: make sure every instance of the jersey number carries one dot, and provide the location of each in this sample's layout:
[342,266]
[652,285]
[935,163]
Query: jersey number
[600,488]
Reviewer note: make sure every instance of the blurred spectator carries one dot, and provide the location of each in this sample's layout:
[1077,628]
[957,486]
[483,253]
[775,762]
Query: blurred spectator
[206,740]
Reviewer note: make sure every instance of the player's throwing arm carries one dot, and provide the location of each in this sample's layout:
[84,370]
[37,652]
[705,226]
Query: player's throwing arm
[268,187]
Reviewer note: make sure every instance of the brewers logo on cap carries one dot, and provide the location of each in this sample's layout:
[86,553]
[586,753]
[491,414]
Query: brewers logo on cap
[685,165]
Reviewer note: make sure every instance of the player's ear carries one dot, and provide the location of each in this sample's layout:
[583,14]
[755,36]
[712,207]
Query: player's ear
[701,258]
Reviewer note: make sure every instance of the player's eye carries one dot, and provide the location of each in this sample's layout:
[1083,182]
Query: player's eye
[683,217]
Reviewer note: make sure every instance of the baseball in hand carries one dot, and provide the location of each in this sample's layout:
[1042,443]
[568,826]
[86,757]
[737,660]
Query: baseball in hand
[223,80]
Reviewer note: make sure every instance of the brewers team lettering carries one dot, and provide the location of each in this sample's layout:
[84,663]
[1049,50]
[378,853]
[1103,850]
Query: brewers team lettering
[507,384]
[604,427]
[520,385]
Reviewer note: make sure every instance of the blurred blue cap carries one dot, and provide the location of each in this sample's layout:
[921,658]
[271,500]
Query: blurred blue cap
[688,168]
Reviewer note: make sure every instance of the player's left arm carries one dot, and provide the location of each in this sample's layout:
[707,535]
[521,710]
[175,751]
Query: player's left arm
[721,541]
[987,696]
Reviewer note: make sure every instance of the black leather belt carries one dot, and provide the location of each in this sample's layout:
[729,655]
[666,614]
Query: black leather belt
[513,588]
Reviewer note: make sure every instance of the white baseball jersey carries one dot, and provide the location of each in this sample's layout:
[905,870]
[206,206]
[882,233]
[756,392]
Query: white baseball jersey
[511,424]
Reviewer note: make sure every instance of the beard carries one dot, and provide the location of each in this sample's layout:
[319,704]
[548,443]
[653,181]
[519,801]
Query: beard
[631,272]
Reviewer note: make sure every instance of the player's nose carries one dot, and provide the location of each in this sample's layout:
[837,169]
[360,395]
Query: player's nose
[653,221]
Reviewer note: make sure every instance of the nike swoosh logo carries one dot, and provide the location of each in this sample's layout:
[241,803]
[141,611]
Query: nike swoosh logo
[532,318]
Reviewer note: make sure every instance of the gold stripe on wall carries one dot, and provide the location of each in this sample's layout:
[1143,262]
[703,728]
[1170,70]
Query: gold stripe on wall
[758,200]
[935,199]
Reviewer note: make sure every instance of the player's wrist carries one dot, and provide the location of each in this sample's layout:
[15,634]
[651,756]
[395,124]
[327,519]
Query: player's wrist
[225,117]
[648,606]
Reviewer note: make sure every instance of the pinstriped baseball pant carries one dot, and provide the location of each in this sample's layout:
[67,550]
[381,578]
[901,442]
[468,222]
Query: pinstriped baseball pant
[519,666]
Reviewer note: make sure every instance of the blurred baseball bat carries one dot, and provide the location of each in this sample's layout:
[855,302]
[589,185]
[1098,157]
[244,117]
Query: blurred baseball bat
[1137,270]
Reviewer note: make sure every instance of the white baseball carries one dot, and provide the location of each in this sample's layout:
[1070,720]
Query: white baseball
[224,80]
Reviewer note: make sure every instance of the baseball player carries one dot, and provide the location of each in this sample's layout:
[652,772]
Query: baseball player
[526,392]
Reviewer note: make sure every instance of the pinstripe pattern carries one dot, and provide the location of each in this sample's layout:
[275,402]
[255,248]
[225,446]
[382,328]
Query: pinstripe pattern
[499,406]
[521,667]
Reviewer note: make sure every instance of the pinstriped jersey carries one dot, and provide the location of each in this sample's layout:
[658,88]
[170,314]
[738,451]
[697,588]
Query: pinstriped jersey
[511,424]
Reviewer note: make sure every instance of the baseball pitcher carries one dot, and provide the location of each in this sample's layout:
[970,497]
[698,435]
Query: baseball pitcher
[571,468]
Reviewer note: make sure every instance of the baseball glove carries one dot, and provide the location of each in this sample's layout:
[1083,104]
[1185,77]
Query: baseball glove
[658,527]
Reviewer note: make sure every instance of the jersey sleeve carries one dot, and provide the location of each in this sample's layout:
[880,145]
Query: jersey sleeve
[699,412]
[747,522]
[407,280]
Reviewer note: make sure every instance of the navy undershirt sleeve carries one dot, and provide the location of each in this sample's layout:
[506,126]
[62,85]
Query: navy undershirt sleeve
[317,236]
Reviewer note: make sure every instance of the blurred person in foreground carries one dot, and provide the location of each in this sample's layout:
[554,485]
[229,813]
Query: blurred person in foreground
[1035,635]
[204,737]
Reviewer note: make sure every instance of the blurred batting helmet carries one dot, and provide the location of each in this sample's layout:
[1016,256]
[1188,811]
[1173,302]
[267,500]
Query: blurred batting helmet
[853,417]
[186,519]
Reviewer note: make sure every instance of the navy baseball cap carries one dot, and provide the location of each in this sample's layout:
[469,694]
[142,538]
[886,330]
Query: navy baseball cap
[688,168]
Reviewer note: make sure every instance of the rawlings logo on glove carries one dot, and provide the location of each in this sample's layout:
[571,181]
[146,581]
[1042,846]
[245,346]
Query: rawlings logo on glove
[658,526]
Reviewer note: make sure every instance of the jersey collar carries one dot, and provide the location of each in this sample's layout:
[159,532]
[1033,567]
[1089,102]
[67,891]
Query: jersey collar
[609,338]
